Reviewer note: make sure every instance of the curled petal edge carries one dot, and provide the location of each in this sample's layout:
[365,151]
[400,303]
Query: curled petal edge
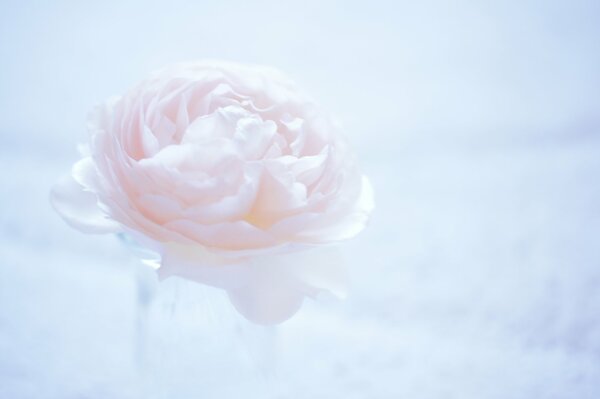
[79,208]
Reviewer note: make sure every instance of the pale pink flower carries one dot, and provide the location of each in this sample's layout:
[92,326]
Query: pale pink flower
[216,158]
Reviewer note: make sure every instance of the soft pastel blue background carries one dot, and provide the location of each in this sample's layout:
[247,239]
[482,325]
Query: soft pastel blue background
[479,124]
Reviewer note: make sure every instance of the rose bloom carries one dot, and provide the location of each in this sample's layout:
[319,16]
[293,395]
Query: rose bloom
[226,156]
[207,161]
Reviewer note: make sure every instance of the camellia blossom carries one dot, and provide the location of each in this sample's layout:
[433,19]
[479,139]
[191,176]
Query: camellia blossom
[212,163]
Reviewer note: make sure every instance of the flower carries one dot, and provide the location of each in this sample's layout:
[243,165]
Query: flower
[228,159]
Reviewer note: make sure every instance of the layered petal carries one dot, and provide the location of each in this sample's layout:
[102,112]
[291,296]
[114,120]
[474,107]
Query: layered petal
[79,208]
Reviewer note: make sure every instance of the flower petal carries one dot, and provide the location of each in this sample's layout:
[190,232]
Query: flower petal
[79,208]
[230,235]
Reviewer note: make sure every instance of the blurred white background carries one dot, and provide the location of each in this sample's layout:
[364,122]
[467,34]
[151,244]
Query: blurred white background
[478,123]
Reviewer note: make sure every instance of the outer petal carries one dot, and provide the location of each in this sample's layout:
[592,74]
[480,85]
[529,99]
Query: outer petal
[265,289]
[79,208]
[238,235]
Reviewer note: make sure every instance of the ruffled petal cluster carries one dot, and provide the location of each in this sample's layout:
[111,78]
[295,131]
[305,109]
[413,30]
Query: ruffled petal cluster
[229,157]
